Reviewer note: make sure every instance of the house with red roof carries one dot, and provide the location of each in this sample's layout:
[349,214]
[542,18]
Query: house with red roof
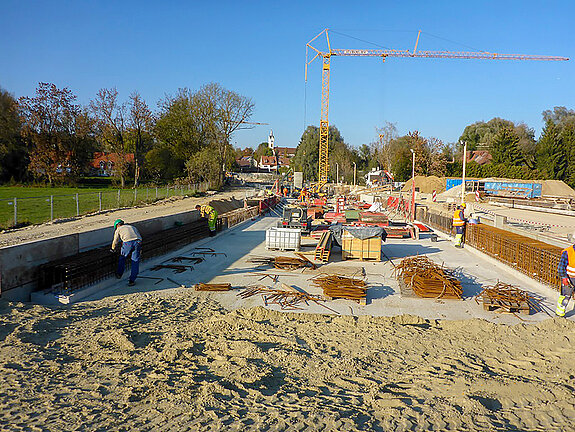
[103,164]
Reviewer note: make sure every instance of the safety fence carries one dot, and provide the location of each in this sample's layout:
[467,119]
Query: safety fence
[534,258]
[22,211]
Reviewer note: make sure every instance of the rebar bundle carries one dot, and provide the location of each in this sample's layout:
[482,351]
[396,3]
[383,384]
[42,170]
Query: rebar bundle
[212,287]
[337,286]
[507,298]
[427,279]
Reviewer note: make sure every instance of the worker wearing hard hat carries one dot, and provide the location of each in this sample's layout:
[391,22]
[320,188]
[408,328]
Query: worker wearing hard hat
[459,225]
[131,244]
[210,213]
[566,270]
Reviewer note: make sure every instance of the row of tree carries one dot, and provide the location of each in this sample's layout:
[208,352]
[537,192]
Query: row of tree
[50,137]
[514,151]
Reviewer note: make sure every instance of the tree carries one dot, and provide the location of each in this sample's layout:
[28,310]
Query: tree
[222,112]
[505,148]
[306,158]
[13,152]
[382,147]
[480,136]
[204,166]
[140,122]
[179,126]
[112,122]
[262,150]
[56,129]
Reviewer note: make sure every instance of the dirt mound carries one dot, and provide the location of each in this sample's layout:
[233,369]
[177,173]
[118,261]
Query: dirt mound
[426,184]
[557,188]
[224,206]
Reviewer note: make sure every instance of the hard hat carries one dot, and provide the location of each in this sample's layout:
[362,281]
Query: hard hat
[463,205]
[118,222]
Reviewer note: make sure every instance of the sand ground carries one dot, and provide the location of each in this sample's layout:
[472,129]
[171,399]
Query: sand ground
[145,361]
[154,358]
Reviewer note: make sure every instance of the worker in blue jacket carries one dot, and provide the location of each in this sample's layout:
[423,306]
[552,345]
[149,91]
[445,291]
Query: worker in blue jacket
[566,270]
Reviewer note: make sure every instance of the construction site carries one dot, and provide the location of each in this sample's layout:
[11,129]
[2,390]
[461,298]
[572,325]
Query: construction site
[302,305]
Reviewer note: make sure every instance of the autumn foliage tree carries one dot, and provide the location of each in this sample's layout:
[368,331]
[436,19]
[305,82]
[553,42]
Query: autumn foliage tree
[112,122]
[58,132]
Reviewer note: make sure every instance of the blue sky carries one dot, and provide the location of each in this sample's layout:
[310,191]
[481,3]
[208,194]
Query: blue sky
[257,48]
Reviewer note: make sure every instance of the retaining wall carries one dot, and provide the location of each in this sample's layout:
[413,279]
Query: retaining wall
[19,263]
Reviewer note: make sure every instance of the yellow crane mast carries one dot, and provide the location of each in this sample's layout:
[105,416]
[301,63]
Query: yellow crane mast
[383,53]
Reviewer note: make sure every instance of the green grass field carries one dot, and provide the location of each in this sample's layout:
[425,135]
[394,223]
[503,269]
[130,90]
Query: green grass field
[35,205]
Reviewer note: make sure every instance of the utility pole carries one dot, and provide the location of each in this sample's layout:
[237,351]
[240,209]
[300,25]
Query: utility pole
[463,176]
[354,171]
[412,185]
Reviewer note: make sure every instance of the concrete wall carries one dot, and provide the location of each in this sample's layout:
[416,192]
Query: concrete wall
[19,264]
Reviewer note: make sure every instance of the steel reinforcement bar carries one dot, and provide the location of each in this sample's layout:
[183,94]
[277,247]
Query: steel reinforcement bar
[534,258]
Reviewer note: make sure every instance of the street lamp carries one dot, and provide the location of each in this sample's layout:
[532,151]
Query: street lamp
[354,171]
[412,185]
[463,173]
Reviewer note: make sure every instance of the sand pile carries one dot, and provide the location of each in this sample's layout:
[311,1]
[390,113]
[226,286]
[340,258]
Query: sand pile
[426,184]
[557,188]
[224,206]
[151,362]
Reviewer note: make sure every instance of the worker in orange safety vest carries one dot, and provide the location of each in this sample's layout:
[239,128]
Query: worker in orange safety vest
[566,270]
[459,225]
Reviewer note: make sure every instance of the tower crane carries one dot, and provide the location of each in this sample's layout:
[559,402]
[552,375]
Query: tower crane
[383,53]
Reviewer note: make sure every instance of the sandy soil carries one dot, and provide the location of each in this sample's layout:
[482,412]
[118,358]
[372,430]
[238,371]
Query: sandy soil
[177,362]
[101,220]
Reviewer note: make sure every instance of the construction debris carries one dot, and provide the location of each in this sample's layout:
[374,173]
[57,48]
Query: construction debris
[427,279]
[212,287]
[337,286]
[283,262]
[193,260]
[177,268]
[286,299]
[506,298]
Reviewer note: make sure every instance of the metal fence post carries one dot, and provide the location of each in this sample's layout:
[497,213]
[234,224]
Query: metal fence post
[156,192]
[51,208]
[15,211]
[147,195]
[167,191]
[99,201]
[77,205]
[119,198]
[135,195]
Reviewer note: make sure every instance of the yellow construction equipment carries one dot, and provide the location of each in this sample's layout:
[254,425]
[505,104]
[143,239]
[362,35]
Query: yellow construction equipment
[326,63]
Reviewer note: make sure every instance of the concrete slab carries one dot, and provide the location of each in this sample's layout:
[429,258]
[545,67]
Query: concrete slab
[384,296]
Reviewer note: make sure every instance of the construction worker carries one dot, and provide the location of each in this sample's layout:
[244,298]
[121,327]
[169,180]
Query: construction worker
[210,213]
[285,191]
[566,270]
[303,195]
[459,224]
[131,244]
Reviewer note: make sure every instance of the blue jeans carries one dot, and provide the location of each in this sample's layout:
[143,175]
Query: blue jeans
[134,247]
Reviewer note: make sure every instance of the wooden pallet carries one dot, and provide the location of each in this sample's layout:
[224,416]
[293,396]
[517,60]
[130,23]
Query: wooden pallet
[510,307]
[323,248]
[361,301]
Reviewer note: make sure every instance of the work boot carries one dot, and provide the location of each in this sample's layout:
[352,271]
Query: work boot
[560,311]
[131,283]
